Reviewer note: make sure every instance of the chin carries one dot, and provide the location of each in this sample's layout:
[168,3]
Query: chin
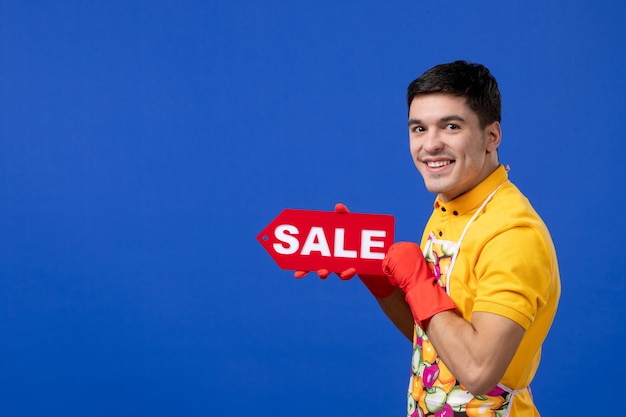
[436,187]
[435,190]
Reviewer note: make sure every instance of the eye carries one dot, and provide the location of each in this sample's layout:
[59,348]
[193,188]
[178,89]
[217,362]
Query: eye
[418,129]
[452,126]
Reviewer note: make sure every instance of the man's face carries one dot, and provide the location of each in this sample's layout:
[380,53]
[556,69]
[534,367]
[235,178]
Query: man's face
[449,148]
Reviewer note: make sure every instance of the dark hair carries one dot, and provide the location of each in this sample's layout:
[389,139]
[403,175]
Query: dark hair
[463,79]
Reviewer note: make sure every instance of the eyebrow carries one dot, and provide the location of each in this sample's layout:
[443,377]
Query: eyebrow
[452,117]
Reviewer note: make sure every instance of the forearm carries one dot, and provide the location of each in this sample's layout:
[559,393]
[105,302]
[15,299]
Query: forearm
[398,311]
[477,353]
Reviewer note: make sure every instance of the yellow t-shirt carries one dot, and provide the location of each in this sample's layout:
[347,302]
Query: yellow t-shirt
[506,265]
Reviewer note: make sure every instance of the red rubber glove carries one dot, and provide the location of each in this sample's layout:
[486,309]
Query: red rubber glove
[406,267]
[378,285]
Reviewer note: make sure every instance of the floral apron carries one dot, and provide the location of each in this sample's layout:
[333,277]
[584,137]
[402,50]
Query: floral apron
[433,390]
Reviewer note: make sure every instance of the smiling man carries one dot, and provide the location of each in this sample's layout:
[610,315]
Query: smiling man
[452,150]
[479,295]
[483,287]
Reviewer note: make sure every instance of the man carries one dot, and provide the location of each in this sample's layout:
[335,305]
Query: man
[480,294]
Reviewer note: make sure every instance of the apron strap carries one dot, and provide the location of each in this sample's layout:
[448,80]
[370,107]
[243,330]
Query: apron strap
[513,392]
[467,226]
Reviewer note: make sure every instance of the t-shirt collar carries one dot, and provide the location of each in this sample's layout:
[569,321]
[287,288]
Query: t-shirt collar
[474,197]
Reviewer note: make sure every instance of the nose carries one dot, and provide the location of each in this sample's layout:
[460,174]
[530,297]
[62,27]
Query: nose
[432,141]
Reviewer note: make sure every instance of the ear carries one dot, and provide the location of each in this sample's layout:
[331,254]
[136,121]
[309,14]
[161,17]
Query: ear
[493,133]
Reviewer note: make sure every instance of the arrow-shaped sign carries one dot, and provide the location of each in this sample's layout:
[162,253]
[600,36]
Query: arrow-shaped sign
[309,240]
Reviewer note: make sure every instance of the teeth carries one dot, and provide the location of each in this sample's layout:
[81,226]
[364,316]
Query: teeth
[437,164]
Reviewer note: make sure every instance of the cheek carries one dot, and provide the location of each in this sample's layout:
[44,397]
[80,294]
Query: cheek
[475,157]
[470,155]
[414,157]
[413,148]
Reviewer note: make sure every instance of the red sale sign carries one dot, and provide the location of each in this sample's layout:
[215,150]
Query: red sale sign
[308,240]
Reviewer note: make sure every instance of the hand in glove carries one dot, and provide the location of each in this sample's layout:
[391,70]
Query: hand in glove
[405,266]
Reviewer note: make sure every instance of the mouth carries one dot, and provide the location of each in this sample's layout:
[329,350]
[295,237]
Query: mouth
[438,163]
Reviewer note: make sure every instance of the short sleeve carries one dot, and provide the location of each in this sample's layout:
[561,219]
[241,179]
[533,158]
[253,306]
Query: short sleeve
[513,275]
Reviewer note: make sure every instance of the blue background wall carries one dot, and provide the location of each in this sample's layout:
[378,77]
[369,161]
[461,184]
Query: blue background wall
[144,144]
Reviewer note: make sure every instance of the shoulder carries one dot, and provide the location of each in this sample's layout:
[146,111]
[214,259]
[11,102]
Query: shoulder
[510,212]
